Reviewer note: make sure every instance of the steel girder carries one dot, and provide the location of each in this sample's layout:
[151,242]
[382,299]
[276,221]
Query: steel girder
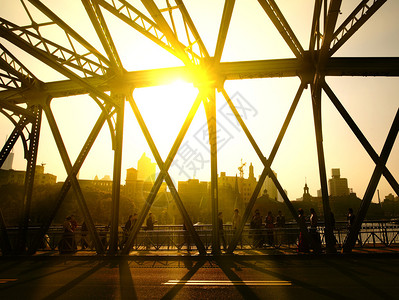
[101,75]
[292,67]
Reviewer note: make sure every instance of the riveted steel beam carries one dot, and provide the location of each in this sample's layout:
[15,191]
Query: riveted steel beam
[353,22]
[98,21]
[116,179]
[29,178]
[194,31]
[18,75]
[167,31]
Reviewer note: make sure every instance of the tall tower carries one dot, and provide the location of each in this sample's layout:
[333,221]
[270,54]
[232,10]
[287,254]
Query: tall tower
[306,195]
[7,165]
[251,171]
[338,186]
[131,181]
[146,169]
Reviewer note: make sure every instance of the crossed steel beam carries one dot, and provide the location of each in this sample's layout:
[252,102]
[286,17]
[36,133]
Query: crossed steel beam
[107,74]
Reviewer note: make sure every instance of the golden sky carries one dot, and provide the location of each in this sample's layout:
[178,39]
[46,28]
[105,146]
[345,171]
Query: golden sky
[264,103]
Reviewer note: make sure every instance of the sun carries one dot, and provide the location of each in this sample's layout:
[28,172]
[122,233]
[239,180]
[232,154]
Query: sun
[164,109]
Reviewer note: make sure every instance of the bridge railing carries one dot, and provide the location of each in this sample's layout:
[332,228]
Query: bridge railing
[173,237]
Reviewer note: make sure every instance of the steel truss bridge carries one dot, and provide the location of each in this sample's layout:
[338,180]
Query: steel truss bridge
[24,98]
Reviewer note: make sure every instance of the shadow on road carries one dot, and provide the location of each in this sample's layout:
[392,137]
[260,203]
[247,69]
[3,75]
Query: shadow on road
[74,282]
[321,291]
[173,291]
[227,267]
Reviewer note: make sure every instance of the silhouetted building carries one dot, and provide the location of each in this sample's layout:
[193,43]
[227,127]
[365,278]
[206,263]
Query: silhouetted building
[18,177]
[104,184]
[306,195]
[390,197]
[195,194]
[136,189]
[338,186]
[246,186]
[12,177]
[131,180]
[146,169]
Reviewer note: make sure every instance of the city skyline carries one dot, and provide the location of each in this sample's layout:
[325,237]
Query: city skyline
[146,166]
[263,103]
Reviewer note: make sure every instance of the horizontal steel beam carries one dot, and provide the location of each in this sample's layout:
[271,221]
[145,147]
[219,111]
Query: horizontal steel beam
[365,66]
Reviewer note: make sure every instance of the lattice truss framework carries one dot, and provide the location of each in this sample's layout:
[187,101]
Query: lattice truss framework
[23,98]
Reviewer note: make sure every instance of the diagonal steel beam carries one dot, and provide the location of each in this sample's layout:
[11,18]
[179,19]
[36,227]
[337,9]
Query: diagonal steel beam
[190,23]
[164,26]
[275,15]
[163,175]
[224,27]
[10,64]
[68,182]
[362,139]
[18,110]
[52,61]
[331,21]
[267,169]
[75,184]
[350,240]
[315,29]
[248,209]
[137,20]
[45,10]
[19,128]
[354,22]
[98,21]
[62,55]
[12,139]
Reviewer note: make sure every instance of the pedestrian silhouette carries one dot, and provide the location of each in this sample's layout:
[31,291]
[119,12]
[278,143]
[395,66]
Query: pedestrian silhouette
[302,243]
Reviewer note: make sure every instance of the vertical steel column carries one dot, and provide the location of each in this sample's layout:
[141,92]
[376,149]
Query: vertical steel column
[328,231]
[116,184]
[375,178]
[210,109]
[29,178]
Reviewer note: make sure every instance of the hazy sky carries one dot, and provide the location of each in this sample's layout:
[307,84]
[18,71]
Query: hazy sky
[263,103]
